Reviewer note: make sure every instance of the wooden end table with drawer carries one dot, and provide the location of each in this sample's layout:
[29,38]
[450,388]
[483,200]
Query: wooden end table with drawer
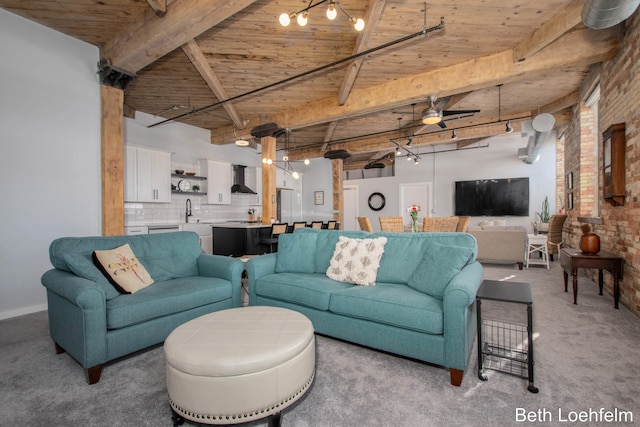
[572,259]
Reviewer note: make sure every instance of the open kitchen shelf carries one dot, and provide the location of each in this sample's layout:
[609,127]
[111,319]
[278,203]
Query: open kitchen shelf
[191,193]
[184,176]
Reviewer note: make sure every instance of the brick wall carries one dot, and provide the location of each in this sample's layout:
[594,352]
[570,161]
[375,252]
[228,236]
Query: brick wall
[619,81]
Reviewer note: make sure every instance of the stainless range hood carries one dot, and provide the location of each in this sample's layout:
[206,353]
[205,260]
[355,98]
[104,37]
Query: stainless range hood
[238,181]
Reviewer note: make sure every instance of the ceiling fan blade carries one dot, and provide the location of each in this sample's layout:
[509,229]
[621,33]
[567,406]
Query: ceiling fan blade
[442,124]
[455,112]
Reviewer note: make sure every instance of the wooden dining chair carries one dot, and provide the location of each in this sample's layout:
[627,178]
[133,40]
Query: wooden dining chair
[332,225]
[299,224]
[449,223]
[317,224]
[276,230]
[392,224]
[365,224]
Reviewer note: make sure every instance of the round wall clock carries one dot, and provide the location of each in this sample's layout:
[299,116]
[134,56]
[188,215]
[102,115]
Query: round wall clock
[376,201]
[184,185]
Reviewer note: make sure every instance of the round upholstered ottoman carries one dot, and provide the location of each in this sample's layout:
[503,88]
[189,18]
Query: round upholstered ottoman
[239,365]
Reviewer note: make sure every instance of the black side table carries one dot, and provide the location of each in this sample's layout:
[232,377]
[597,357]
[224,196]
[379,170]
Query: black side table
[502,346]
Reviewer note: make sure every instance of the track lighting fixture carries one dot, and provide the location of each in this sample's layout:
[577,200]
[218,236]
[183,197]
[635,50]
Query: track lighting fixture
[302,15]
[454,135]
[508,128]
[410,142]
[416,160]
[398,151]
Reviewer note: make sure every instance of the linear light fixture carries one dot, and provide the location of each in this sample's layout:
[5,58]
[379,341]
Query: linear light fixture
[302,15]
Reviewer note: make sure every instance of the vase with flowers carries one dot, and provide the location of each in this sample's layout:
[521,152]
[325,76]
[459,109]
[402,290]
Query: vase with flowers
[413,211]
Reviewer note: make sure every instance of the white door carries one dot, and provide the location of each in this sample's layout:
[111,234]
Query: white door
[418,193]
[350,195]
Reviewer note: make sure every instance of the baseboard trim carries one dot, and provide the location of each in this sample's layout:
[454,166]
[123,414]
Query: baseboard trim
[8,314]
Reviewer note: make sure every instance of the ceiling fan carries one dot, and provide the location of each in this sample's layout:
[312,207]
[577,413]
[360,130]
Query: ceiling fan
[435,114]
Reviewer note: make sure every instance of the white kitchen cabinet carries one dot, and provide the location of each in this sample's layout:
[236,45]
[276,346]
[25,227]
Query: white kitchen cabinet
[219,181]
[147,175]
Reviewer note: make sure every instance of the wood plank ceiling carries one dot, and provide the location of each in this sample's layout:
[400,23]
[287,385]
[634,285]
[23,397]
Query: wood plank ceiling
[189,54]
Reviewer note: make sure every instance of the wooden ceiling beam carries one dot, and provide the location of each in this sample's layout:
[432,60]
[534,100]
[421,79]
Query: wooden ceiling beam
[466,136]
[199,61]
[553,29]
[152,37]
[559,104]
[159,7]
[574,49]
[372,17]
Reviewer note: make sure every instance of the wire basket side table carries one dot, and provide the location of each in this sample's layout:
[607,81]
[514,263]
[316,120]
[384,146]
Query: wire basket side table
[502,346]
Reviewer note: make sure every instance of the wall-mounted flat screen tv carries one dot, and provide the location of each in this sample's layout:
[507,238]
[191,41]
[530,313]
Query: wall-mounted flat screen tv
[492,197]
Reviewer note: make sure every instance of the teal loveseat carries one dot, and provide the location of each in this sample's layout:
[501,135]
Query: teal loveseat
[422,305]
[95,323]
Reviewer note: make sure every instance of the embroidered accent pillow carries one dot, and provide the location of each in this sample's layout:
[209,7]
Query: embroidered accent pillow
[123,269]
[356,260]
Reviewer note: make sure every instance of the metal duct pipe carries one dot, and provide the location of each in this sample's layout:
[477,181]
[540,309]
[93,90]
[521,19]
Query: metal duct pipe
[600,14]
[538,131]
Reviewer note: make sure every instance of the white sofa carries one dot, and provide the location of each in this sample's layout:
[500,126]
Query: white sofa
[500,244]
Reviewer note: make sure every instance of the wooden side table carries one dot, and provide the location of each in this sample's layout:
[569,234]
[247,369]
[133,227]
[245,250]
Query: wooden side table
[572,259]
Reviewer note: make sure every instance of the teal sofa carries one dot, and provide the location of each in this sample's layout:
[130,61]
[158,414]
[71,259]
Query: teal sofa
[95,323]
[422,305]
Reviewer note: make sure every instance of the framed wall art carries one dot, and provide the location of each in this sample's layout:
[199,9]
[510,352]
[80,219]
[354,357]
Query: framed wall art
[318,197]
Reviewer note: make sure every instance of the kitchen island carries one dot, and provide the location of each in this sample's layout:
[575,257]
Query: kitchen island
[239,238]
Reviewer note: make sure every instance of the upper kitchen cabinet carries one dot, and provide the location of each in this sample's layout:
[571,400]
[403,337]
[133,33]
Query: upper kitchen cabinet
[147,175]
[219,181]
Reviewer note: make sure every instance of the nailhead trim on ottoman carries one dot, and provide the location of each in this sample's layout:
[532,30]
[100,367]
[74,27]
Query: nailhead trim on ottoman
[239,365]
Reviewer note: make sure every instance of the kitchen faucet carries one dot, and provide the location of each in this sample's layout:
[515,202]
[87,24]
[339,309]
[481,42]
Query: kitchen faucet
[188,211]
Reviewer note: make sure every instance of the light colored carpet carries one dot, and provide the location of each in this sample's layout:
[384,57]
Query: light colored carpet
[587,359]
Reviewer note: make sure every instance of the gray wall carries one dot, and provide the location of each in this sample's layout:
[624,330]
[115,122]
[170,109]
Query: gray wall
[49,153]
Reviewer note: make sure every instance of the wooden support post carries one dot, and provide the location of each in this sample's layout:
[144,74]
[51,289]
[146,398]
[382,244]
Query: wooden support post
[112,104]
[269,205]
[338,194]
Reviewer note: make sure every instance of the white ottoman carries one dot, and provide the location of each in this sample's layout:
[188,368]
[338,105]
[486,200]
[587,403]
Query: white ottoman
[239,365]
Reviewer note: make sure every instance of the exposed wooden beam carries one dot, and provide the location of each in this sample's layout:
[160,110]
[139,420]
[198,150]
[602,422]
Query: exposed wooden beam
[151,37]
[328,136]
[269,206]
[559,104]
[159,7]
[199,61]
[112,102]
[372,17]
[575,49]
[565,20]
[337,167]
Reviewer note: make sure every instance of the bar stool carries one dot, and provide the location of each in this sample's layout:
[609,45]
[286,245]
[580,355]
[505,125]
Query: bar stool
[537,244]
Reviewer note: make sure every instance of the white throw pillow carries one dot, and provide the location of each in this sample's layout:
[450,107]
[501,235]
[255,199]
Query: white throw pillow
[486,223]
[123,269]
[356,260]
[501,222]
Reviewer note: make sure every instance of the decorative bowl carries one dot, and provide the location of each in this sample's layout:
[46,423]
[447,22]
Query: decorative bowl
[179,171]
[191,173]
